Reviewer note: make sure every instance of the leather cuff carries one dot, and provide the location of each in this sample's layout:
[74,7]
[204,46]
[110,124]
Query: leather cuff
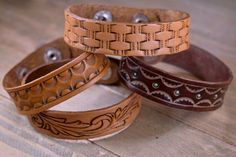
[90,124]
[179,92]
[52,87]
[130,32]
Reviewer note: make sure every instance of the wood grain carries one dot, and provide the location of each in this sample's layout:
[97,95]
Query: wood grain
[159,131]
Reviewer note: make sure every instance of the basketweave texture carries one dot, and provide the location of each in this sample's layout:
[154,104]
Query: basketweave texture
[127,39]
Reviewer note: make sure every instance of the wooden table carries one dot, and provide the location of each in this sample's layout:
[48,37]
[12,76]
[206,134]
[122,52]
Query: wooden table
[158,131]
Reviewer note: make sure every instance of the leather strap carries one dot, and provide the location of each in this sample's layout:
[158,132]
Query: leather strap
[88,124]
[85,124]
[179,92]
[166,33]
[78,71]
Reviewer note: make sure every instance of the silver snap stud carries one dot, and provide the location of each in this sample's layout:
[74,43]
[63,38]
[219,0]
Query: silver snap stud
[155,85]
[215,96]
[22,72]
[103,15]
[52,55]
[198,96]
[140,18]
[134,75]
[177,93]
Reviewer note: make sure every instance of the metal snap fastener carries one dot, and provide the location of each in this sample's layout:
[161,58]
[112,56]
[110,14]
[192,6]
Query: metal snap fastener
[21,72]
[215,96]
[177,93]
[198,96]
[155,85]
[134,75]
[52,55]
[140,18]
[103,15]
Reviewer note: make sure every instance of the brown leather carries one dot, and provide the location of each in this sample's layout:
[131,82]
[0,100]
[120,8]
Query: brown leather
[85,124]
[166,33]
[158,85]
[80,72]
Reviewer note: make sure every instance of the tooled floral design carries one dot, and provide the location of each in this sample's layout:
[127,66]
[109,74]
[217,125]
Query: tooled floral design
[80,129]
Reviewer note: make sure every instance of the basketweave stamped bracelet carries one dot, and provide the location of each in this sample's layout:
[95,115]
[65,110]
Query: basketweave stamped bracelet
[179,92]
[123,31]
[83,70]
[91,124]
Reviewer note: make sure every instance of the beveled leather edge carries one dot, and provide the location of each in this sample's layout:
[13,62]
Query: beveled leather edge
[213,92]
[22,94]
[86,34]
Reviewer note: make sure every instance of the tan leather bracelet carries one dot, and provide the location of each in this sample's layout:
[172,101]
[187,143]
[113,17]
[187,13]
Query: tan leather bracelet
[65,81]
[84,124]
[126,31]
[88,124]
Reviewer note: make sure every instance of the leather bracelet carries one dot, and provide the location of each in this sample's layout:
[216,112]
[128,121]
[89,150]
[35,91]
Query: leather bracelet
[63,82]
[133,32]
[179,92]
[90,124]
[87,124]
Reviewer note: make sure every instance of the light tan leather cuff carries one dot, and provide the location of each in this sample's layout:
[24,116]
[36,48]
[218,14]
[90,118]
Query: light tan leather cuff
[63,82]
[88,124]
[167,31]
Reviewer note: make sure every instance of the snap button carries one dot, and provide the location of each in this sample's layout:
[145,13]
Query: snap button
[140,18]
[103,15]
[21,72]
[52,55]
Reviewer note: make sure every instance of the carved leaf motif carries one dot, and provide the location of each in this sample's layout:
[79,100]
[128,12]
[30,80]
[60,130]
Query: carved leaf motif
[78,128]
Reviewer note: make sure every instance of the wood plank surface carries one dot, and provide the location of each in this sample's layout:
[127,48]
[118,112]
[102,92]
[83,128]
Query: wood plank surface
[159,130]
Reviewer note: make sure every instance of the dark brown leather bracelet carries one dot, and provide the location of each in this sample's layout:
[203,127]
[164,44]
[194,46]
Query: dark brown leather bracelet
[123,31]
[82,69]
[179,92]
[91,124]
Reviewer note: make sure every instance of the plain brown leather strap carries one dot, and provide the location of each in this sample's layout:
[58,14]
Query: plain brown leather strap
[167,31]
[179,92]
[84,124]
[77,74]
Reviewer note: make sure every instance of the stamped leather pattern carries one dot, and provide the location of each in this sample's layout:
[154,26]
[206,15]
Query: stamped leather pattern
[171,90]
[89,124]
[59,85]
[126,39]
